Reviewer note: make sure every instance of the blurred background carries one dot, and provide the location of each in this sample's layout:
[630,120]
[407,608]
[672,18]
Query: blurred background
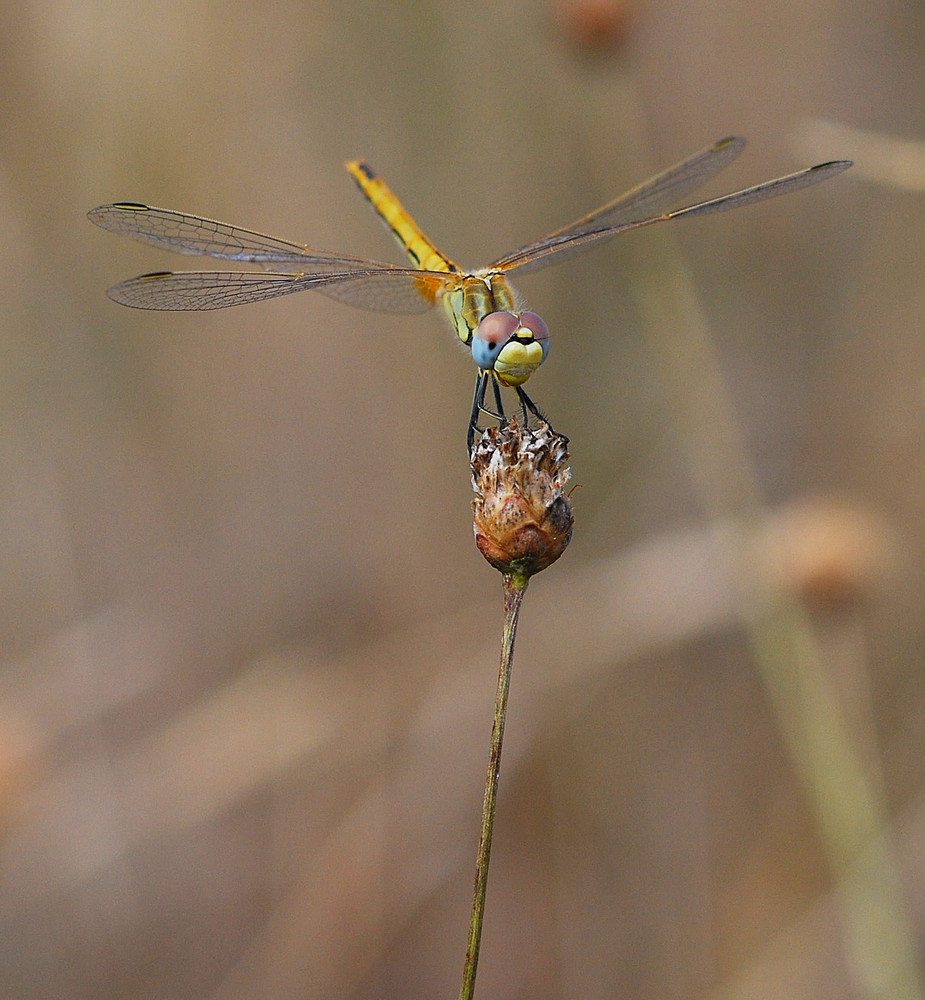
[249,648]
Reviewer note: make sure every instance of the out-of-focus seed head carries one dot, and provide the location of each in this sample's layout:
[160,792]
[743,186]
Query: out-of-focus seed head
[830,552]
[595,27]
[522,513]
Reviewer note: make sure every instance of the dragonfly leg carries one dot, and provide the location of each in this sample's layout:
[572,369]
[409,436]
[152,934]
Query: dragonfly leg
[479,407]
[478,401]
[500,406]
[528,406]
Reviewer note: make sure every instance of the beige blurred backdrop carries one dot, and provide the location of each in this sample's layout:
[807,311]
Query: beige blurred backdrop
[249,648]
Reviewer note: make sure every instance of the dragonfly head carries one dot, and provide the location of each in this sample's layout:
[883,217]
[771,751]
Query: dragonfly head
[512,345]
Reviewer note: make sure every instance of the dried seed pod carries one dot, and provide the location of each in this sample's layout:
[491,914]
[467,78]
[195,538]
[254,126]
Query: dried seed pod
[522,514]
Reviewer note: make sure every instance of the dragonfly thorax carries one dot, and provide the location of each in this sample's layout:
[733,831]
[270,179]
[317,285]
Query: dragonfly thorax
[473,297]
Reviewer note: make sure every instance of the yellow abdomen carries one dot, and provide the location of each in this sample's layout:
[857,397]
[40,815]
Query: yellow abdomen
[406,231]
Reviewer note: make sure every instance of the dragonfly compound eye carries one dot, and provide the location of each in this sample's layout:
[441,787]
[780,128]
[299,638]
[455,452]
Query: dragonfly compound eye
[492,333]
[537,326]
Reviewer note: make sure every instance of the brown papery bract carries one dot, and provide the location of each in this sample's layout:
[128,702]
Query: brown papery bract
[522,513]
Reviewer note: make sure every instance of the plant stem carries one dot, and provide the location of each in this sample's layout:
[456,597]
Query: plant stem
[515,587]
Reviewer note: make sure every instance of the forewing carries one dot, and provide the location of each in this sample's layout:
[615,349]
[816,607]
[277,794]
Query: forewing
[644,200]
[195,235]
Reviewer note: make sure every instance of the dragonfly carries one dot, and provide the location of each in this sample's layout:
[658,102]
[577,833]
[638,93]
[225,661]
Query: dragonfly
[507,341]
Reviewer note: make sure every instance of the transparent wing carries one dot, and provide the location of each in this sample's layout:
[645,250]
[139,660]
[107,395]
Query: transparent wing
[398,290]
[195,235]
[657,193]
[368,284]
[643,205]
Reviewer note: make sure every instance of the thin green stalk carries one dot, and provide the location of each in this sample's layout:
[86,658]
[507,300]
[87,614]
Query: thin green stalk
[515,586]
[853,822]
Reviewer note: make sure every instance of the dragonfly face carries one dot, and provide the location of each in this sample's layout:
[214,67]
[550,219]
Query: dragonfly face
[507,344]
[511,345]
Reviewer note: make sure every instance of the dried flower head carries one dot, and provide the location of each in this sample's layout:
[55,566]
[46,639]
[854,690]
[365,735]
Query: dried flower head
[522,514]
